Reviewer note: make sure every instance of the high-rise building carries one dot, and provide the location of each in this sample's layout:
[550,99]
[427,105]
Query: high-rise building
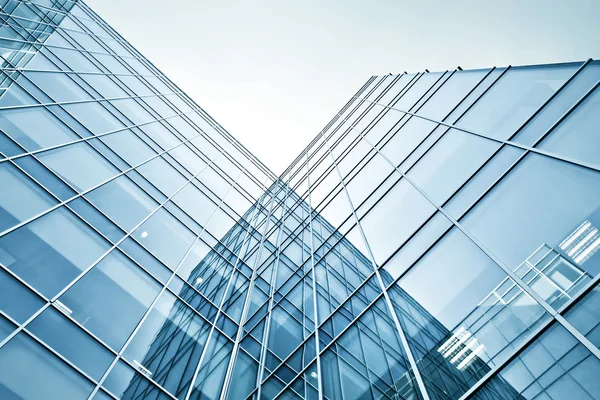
[437,240]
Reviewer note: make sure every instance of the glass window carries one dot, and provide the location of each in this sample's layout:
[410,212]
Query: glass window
[59,86]
[169,343]
[23,358]
[94,116]
[244,374]
[10,290]
[111,298]
[162,175]
[451,93]
[585,315]
[211,375]
[48,261]
[559,105]
[103,85]
[515,97]
[164,236]
[133,110]
[555,366]
[79,164]
[22,198]
[394,219]
[129,146]
[450,162]
[35,128]
[190,160]
[410,252]
[482,181]
[125,383]
[407,139]
[145,259]
[544,214]
[461,312]
[123,201]
[577,136]
[70,341]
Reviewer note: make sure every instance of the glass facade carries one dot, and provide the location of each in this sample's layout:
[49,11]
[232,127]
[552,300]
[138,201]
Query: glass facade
[437,240]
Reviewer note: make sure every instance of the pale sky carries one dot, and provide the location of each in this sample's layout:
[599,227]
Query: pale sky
[274,72]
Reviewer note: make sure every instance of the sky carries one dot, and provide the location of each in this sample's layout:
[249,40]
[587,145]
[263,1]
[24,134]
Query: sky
[275,72]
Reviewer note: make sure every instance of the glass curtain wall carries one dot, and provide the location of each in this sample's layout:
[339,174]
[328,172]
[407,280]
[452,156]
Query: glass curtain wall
[437,240]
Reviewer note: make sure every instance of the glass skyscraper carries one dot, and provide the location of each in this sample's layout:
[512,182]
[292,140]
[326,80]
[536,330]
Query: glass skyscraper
[437,240]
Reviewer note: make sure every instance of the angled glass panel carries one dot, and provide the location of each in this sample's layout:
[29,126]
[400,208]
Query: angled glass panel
[23,358]
[169,344]
[165,237]
[450,162]
[111,298]
[394,219]
[514,98]
[35,128]
[79,164]
[71,342]
[555,366]
[122,201]
[461,314]
[22,198]
[576,137]
[48,261]
[541,220]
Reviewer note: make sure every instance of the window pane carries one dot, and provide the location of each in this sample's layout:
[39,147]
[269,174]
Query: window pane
[10,289]
[79,164]
[21,199]
[70,341]
[450,162]
[123,201]
[555,366]
[544,214]
[162,175]
[461,313]
[577,136]
[111,298]
[48,261]
[165,237]
[514,98]
[22,358]
[24,125]
[395,217]
[169,343]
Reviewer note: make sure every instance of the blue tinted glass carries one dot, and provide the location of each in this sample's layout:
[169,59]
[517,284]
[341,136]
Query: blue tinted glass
[169,343]
[145,259]
[23,124]
[70,341]
[45,177]
[24,199]
[123,202]
[86,211]
[8,147]
[165,237]
[543,215]
[387,226]
[555,366]
[22,358]
[514,98]
[11,290]
[79,165]
[6,328]
[585,315]
[450,162]
[576,137]
[111,298]
[48,261]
